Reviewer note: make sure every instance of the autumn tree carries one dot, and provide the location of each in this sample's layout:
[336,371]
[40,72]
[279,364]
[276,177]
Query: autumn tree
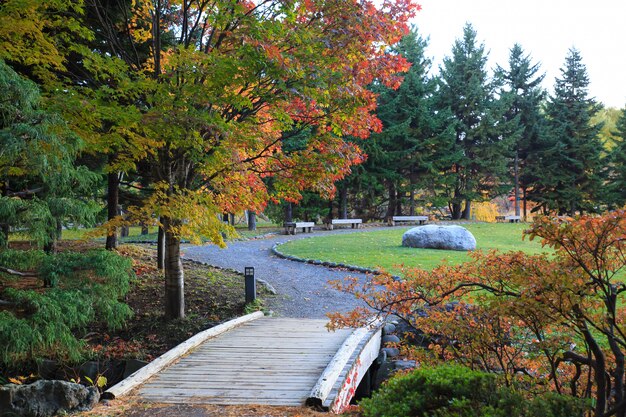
[476,161]
[221,84]
[553,321]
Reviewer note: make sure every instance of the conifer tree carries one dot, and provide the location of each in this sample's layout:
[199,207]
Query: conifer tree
[523,90]
[569,161]
[42,188]
[617,166]
[400,158]
[475,164]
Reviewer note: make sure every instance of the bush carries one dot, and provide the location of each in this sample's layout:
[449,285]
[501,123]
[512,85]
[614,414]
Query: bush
[85,288]
[456,391]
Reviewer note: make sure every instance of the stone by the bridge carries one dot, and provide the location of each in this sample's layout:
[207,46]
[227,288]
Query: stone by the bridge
[46,398]
[439,237]
[391,338]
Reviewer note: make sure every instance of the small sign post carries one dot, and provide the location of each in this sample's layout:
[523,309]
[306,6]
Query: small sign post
[250,284]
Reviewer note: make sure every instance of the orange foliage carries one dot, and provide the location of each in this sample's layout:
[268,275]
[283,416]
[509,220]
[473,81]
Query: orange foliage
[553,321]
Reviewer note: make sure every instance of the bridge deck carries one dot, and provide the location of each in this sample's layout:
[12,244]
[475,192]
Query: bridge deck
[272,361]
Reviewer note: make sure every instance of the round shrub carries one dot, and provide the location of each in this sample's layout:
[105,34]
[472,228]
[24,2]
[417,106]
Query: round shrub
[456,391]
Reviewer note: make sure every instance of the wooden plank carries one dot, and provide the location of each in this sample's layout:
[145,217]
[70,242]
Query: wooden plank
[276,361]
[346,221]
[331,373]
[224,400]
[248,393]
[143,374]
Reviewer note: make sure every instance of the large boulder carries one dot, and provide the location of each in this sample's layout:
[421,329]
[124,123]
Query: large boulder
[46,398]
[439,237]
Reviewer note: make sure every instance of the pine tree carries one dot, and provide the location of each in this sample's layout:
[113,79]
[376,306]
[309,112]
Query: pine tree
[400,158]
[616,189]
[523,90]
[568,164]
[475,164]
[43,189]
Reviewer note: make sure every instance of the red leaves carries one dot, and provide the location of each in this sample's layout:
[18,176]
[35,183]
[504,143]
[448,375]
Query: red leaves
[522,316]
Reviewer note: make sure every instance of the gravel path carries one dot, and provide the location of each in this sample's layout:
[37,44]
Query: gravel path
[303,289]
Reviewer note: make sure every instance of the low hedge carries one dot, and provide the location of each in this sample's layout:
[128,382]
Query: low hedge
[456,391]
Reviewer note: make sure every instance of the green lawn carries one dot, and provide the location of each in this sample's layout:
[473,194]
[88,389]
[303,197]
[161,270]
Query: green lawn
[384,248]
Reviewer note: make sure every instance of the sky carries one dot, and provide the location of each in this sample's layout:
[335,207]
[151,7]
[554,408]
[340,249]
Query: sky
[546,29]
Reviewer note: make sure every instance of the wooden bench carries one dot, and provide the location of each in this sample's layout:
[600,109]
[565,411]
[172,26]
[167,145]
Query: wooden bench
[291,228]
[355,223]
[397,219]
[512,219]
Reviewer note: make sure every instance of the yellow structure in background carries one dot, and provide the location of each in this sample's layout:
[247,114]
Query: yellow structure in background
[485,211]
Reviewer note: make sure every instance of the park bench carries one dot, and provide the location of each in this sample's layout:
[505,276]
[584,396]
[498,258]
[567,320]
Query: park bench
[355,223]
[500,219]
[291,228]
[398,219]
[512,219]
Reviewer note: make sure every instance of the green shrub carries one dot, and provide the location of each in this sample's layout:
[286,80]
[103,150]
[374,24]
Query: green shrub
[456,391]
[86,288]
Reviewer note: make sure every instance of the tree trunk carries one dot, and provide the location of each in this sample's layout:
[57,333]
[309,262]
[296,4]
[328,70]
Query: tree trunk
[399,204]
[161,248]
[4,227]
[113,193]
[516,171]
[330,209]
[50,246]
[231,219]
[392,201]
[251,220]
[525,206]
[343,201]
[412,200]
[288,213]
[455,211]
[144,229]
[59,230]
[467,211]
[174,275]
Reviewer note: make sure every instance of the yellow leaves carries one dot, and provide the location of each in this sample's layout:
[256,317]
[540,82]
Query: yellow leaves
[21,379]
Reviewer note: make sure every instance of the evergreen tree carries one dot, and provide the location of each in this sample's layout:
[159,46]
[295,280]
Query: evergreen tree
[523,91]
[475,163]
[42,188]
[616,189]
[400,158]
[569,161]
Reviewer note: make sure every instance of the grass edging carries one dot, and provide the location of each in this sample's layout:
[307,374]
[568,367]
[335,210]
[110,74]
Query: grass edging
[143,374]
[332,265]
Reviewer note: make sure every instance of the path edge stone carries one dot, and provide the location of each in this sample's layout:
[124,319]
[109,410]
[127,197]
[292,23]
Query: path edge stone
[142,375]
[327,264]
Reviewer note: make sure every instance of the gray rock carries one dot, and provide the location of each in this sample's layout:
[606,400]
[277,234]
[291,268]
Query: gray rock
[439,237]
[404,365]
[389,328]
[391,352]
[131,366]
[46,398]
[391,338]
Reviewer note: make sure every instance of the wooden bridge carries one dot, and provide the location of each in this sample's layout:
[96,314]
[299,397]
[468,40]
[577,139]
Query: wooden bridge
[260,360]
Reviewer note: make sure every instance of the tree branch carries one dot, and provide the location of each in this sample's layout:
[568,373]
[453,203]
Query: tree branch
[18,273]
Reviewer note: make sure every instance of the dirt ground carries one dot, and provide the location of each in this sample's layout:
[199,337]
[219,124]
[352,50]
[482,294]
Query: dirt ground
[130,407]
[211,296]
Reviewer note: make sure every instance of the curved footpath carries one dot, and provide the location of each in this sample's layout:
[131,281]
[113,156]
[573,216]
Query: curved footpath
[302,288]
